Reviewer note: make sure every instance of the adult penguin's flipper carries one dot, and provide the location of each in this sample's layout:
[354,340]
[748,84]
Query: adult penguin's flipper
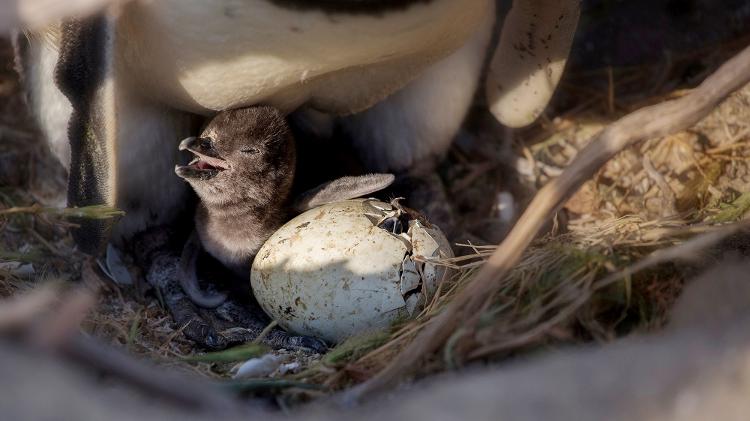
[84,74]
[122,145]
[530,58]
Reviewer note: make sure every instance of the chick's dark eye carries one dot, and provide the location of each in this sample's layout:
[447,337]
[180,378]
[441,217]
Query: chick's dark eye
[250,151]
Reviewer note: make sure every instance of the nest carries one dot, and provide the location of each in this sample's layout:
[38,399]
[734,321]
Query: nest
[579,282]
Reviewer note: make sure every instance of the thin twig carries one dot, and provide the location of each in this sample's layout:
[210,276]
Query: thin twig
[649,122]
[90,212]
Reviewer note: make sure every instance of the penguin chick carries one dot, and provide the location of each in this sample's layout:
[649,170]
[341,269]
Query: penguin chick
[243,172]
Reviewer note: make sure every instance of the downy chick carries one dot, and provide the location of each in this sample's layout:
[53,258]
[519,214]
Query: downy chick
[243,172]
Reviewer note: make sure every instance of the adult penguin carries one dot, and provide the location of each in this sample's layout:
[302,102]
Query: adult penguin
[115,92]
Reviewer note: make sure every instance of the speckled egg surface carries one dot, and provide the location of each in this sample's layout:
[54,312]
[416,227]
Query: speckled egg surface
[332,272]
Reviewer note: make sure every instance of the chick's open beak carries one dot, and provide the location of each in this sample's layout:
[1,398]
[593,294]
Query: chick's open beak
[207,162]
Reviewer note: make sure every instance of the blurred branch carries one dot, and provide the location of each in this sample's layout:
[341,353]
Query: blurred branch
[49,319]
[19,311]
[60,325]
[169,386]
[646,123]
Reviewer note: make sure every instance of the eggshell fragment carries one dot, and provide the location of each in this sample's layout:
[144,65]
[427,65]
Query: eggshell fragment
[332,272]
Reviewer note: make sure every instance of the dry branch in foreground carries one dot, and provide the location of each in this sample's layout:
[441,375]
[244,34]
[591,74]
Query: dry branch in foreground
[48,319]
[646,123]
[708,377]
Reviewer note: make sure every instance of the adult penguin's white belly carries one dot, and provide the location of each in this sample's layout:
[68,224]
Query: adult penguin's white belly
[200,56]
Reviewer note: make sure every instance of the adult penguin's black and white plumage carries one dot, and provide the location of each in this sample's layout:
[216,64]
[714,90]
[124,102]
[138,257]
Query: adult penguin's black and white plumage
[115,92]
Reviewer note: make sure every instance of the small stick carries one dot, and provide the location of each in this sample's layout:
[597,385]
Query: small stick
[649,122]
[91,212]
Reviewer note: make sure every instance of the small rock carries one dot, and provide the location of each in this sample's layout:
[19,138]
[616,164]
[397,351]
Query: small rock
[292,367]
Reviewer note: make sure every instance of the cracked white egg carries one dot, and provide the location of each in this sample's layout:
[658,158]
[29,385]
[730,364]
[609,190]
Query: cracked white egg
[348,267]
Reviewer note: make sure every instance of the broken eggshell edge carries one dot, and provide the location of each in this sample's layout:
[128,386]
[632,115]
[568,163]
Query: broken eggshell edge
[332,273]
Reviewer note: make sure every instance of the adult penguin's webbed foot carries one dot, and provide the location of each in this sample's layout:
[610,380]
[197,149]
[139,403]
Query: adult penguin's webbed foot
[233,321]
[242,321]
[162,265]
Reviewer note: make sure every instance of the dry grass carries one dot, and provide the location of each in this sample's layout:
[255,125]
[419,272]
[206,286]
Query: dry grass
[568,288]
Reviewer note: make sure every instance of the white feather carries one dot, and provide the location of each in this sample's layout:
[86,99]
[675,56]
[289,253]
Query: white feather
[420,121]
[201,56]
[49,105]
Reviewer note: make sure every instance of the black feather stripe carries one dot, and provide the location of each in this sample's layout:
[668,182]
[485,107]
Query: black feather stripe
[79,73]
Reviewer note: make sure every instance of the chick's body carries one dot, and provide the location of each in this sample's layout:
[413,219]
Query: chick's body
[243,174]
